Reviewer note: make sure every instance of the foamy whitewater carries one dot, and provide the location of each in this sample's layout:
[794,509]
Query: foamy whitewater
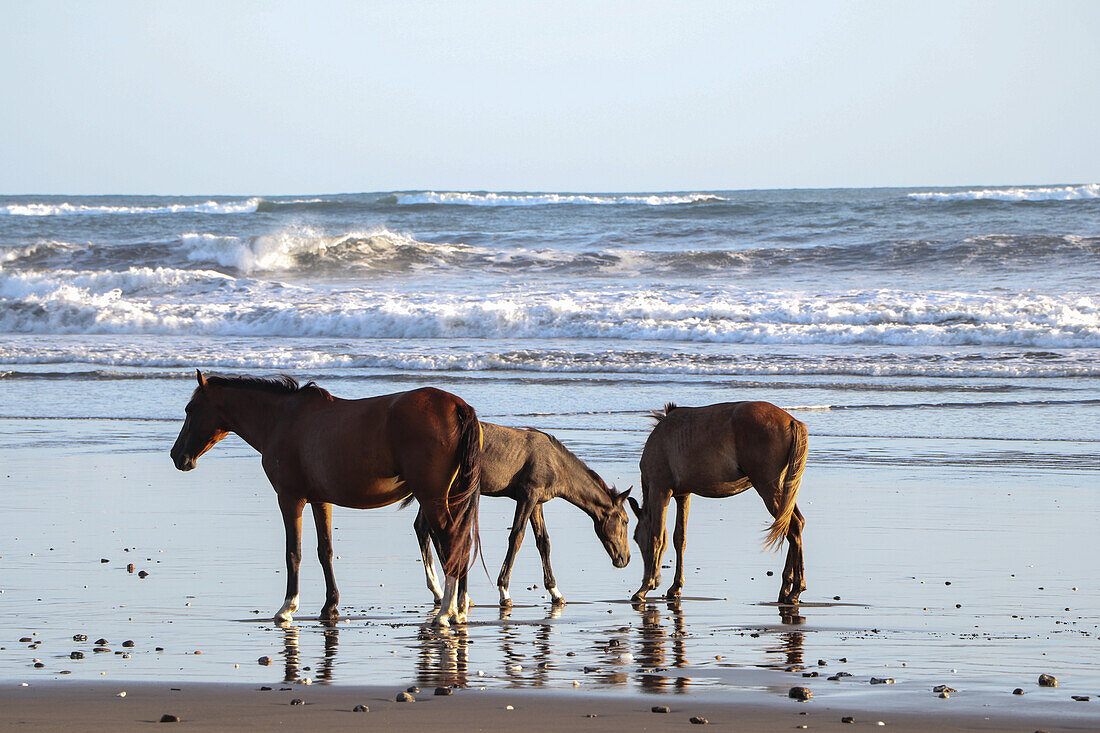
[921,282]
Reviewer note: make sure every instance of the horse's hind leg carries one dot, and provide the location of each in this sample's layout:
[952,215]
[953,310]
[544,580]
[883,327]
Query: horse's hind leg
[423,536]
[794,578]
[322,517]
[291,508]
[542,540]
[679,539]
[793,582]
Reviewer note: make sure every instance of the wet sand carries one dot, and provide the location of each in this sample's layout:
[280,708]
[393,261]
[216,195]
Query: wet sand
[98,706]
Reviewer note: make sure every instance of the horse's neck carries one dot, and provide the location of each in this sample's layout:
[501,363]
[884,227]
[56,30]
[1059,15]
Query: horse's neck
[251,414]
[577,487]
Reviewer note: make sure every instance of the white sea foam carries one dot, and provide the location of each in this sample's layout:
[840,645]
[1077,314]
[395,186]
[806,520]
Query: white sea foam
[161,301]
[1040,193]
[69,209]
[545,199]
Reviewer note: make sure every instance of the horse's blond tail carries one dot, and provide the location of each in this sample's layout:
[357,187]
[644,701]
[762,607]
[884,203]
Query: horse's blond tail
[791,480]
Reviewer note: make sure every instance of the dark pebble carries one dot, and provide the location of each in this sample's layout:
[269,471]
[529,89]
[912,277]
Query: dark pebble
[592,715]
[265,688]
[297,701]
[404,697]
[128,642]
[360,709]
[810,674]
[101,642]
[1080,698]
[1018,691]
[836,598]
[699,719]
[25,639]
[103,559]
[660,709]
[169,718]
[143,574]
[882,680]
[414,689]
[76,655]
[1048,680]
[80,637]
[130,568]
[833,678]
[770,573]
[264,661]
[39,665]
[443,690]
[945,688]
[843,660]
[160,649]
[821,663]
[800,693]
[847,719]
[100,649]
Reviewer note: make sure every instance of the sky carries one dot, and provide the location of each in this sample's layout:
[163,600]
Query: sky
[241,97]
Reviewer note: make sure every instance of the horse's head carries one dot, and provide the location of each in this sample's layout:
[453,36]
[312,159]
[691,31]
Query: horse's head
[651,541]
[611,527]
[202,428]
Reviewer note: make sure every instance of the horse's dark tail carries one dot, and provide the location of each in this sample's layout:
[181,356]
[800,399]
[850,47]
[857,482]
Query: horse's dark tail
[791,480]
[464,494]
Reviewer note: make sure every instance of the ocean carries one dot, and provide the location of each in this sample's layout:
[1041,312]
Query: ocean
[942,345]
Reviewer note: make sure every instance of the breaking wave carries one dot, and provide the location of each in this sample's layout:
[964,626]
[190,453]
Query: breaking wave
[460,198]
[1088,191]
[69,209]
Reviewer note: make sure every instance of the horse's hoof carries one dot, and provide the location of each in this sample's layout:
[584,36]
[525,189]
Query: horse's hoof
[557,601]
[329,614]
[442,622]
[505,602]
[638,597]
[461,618]
[672,594]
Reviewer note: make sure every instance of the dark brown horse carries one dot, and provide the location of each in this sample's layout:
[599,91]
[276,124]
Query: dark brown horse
[719,451]
[362,454]
[532,467]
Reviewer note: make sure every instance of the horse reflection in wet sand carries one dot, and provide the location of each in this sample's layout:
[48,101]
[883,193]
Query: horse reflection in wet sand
[367,453]
[719,451]
[532,467]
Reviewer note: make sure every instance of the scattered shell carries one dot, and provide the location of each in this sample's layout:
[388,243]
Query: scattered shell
[509,707]
[800,693]
[122,694]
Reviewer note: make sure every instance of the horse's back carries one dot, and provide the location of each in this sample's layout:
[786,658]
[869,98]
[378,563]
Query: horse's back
[710,449]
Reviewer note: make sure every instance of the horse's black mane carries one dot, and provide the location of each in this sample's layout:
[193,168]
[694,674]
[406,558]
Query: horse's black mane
[595,476]
[279,384]
[659,415]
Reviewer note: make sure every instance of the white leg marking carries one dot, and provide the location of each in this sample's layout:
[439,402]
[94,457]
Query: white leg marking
[505,599]
[286,613]
[449,606]
[433,581]
[556,596]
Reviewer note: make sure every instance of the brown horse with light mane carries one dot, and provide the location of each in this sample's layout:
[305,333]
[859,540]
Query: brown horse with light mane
[718,451]
[363,454]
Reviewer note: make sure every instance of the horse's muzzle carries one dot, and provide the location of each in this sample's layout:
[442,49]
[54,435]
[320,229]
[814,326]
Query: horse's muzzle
[183,463]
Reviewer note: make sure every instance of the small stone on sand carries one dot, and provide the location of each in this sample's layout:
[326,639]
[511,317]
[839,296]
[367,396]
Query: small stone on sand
[660,709]
[169,718]
[264,661]
[360,709]
[443,690]
[404,697]
[1048,680]
[882,680]
[1080,698]
[698,719]
[414,689]
[297,701]
[847,719]
[800,693]
[1018,691]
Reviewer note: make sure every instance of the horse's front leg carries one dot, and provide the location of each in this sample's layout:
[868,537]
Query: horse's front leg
[322,517]
[524,511]
[291,508]
[542,540]
[423,536]
[679,539]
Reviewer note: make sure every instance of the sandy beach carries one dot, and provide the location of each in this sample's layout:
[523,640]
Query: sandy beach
[99,706]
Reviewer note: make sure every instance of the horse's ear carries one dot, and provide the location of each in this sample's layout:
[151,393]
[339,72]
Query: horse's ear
[635,506]
[201,379]
[620,498]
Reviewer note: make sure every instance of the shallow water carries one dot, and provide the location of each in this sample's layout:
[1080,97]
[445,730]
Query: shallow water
[938,551]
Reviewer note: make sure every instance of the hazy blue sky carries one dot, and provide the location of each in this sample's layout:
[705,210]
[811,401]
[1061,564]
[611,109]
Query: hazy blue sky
[236,97]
